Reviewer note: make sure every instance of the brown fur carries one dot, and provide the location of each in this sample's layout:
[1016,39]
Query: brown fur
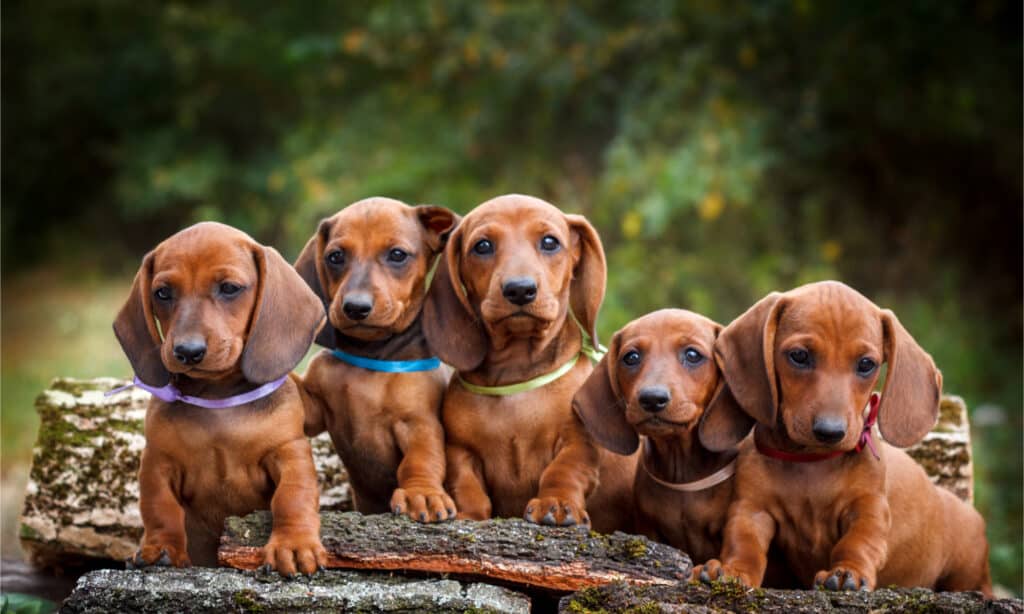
[202,465]
[385,426]
[525,454]
[851,521]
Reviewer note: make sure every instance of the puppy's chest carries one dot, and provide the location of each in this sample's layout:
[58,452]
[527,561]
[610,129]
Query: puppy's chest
[690,521]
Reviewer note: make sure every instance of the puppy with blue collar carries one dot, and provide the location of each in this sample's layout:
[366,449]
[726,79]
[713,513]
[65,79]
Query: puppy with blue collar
[376,387]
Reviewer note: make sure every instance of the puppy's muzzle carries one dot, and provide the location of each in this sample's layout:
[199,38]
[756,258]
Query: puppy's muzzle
[357,306]
[190,352]
[828,429]
[520,290]
[654,398]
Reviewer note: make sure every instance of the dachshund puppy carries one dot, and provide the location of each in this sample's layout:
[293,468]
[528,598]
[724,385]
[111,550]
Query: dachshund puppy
[654,383]
[377,388]
[516,275]
[213,326]
[847,510]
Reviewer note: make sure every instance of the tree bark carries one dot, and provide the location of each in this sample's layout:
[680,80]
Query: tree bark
[169,590]
[727,597]
[513,552]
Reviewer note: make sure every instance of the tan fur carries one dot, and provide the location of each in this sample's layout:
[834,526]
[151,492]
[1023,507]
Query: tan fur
[861,521]
[201,465]
[385,426]
[526,454]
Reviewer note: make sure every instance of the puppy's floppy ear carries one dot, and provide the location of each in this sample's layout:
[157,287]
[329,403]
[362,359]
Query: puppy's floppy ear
[286,317]
[589,276]
[599,405]
[724,423]
[438,222]
[310,267]
[451,327]
[745,352]
[910,398]
[136,330]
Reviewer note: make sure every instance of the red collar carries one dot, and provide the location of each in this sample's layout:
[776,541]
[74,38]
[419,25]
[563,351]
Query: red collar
[813,457]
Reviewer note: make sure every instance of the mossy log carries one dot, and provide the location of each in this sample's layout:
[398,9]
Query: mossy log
[82,495]
[729,597]
[82,499]
[513,552]
[167,590]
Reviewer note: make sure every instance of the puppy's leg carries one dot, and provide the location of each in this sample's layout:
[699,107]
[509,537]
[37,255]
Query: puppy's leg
[745,540]
[420,493]
[313,405]
[466,483]
[164,539]
[863,548]
[567,481]
[295,538]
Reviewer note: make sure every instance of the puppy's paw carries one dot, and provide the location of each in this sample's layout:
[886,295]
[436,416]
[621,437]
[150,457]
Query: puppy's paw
[843,578]
[158,555]
[293,552]
[554,511]
[715,571]
[428,504]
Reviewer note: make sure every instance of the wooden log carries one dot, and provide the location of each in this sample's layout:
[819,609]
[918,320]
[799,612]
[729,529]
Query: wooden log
[82,495]
[81,501]
[729,597]
[513,552]
[168,590]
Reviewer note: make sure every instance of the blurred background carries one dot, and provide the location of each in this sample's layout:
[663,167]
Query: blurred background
[723,149]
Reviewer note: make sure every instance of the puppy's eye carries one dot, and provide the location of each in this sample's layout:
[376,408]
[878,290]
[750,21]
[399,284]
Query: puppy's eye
[800,358]
[398,256]
[229,289]
[549,244]
[162,293]
[692,356]
[866,366]
[336,258]
[631,359]
[483,247]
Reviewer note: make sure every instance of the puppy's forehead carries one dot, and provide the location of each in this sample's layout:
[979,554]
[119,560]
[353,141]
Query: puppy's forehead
[516,210]
[205,247]
[830,309]
[374,218]
[672,325]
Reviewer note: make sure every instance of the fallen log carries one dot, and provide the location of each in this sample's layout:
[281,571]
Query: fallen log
[82,496]
[513,552]
[729,597]
[167,590]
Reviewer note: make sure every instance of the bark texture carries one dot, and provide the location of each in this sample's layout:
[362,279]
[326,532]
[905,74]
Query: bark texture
[727,597]
[168,590]
[82,498]
[513,552]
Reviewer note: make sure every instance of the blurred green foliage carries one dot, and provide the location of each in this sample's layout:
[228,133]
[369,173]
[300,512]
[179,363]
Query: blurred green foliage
[724,149]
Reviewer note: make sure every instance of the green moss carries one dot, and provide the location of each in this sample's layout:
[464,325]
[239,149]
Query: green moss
[246,601]
[635,548]
[539,537]
[586,601]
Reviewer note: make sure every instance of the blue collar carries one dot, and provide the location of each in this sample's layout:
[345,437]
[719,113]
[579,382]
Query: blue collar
[388,366]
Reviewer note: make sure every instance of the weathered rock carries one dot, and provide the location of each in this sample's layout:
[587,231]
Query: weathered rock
[513,552]
[81,501]
[945,452]
[728,597]
[218,591]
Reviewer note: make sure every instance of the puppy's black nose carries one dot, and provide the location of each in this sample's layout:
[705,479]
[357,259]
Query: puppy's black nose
[520,290]
[829,430]
[190,352]
[654,398]
[357,308]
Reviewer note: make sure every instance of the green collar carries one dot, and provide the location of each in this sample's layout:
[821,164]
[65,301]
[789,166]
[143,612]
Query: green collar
[588,349]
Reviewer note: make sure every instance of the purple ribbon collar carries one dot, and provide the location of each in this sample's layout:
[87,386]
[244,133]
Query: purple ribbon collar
[170,394]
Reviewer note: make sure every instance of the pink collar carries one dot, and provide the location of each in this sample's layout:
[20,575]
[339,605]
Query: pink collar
[170,394]
[813,457]
[704,483]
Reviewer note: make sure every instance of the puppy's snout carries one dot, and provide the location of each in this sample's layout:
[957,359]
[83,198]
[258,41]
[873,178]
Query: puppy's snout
[654,398]
[520,290]
[190,352]
[829,430]
[357,306]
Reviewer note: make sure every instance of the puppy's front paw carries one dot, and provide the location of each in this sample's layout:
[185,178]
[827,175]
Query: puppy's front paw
[555,511]
[715,571]
[843,578]
[287,552]
[423,504]
[159,555]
